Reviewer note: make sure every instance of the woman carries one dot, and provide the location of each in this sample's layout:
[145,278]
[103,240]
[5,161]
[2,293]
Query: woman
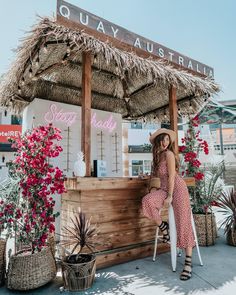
[173,191]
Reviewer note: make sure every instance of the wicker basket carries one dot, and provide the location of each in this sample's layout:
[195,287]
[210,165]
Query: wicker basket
[206,229]
[52,243]
[79,276]
[2,261]
[231,237]
[30,271]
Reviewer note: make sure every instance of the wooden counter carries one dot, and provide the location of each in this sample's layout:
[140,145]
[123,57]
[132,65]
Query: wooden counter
[114,205]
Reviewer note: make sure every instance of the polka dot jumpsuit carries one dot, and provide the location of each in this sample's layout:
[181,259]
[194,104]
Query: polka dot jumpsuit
[153,202]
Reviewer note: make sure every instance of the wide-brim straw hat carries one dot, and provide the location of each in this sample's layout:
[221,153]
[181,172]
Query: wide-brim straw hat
[170,132]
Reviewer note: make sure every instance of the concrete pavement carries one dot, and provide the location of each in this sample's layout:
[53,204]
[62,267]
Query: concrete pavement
[143,276]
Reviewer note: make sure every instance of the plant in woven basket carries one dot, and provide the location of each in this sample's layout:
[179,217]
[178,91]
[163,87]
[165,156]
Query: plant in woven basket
[79,268]
[208,184]
[227,203]
[27,208]
[209,190]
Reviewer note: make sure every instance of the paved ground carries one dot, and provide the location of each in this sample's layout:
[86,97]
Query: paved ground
[145,277]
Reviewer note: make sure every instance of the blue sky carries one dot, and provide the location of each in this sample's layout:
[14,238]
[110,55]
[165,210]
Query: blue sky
[203,30]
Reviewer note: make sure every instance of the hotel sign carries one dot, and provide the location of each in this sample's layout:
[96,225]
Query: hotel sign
[9,131]
[84,18]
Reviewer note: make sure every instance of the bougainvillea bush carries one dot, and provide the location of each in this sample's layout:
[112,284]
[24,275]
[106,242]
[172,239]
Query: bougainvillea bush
[27,205]
[206,192]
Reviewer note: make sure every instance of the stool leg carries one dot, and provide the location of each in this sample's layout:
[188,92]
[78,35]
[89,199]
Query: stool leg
[196,240]
[155,245]
[173,237]
[179,252]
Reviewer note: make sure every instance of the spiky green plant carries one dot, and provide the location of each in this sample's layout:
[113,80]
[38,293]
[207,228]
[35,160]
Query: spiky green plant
[80,234]
[227,202]
[209,189]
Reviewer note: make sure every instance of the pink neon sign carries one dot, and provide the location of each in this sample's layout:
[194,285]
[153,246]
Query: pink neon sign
[55,115]
[107,124]
[58,115]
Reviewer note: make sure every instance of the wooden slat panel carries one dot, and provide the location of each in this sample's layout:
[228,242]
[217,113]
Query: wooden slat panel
[105,195]
[115,206]
[92,183]
[106,260]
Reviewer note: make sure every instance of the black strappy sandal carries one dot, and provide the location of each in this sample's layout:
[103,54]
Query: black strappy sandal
[164,226]
[187,274]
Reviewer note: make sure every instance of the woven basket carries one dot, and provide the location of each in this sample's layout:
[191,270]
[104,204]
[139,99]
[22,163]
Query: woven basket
[231,237]
[206,228]
[79,276]
[2,261]
[52,243]
[30,271]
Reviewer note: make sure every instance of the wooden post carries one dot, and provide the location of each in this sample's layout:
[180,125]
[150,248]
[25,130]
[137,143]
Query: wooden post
[173,114]
[86,110]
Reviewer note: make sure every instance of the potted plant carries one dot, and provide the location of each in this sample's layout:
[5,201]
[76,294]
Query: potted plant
[228,203]
[203,200]
[208,184]
[78,269]
[2,257]
[28,207]
[8,189]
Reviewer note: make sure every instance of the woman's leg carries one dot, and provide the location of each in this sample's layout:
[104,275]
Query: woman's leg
[151,205]
[187,271]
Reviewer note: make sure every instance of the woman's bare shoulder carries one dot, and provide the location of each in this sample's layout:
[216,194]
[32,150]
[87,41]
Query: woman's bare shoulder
[170,156]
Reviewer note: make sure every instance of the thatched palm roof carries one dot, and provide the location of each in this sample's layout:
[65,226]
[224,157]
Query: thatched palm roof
[49,66]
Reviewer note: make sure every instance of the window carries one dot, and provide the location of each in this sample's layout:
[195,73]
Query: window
[141,167]
[137,167]
[16,120]
[136,125]
[147,167]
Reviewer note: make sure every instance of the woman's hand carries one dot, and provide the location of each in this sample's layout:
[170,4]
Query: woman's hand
[153,189]
[168,201]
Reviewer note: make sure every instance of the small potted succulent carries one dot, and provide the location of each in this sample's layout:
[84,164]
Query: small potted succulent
[227,202]
[78,269]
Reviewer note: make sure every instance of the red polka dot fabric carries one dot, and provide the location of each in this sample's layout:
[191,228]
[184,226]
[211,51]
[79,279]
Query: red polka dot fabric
[153,202]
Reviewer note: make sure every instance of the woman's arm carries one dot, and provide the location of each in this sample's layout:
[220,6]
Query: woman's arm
[170,159]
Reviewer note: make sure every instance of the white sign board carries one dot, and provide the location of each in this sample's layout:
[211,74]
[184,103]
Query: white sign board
[106,133]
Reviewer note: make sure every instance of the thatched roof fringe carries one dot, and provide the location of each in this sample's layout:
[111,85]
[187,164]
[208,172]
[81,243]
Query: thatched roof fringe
[127,64]
[126,61]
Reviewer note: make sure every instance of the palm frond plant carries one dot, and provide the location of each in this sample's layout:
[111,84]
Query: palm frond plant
[79,268]
[79,235]
[207,195]
[209,189]
[227,203]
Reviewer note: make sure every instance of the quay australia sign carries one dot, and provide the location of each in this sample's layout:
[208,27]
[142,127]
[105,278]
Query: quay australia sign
[78,15]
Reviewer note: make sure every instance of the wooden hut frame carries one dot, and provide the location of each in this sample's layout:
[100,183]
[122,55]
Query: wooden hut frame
[68,62]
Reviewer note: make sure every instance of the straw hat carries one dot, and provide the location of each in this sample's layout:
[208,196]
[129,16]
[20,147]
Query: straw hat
[171,133]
